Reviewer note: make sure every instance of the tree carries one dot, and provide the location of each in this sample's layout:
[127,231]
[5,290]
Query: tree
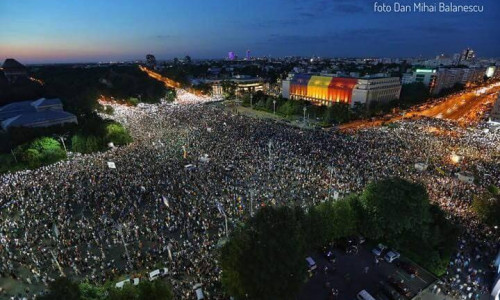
[264,259]
[395,209]
[487,206]
[91,292]
[62,289]
[330,221]
[146,290]
[171,95]
[187,59]
[117,134]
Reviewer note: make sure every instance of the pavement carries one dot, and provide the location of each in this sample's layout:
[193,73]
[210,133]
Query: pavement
[350,276]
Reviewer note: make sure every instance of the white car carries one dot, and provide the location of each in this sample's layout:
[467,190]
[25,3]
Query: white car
[391,256]
[379,249]
[198,291]
[311,263]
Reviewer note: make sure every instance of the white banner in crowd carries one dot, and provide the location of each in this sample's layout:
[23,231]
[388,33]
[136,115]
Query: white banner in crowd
[111,165]
[165,201]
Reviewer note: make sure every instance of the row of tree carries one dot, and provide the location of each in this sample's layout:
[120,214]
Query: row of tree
[33,149]
[265,257]
[64,288]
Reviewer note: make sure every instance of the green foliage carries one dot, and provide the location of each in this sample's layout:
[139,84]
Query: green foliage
[91,292]
[171,95]
[265,258]
[336,113]
[329,221]
[62,289]
[41,151]
[146,290]
[398,212]
[117,134]
[382,199]
[487,206]
[133,101]
[494,190]
[86,143]
[228,89]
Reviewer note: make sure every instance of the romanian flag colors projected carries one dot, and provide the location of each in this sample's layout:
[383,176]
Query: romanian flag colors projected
[322,88]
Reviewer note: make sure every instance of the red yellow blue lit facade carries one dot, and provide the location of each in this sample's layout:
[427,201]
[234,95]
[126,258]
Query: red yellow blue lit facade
[322,89]
[327,89]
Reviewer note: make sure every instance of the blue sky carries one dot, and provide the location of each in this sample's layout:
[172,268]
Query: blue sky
[103,30]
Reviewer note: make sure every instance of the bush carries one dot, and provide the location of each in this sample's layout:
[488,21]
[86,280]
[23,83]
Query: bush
[117,134]
[41,151]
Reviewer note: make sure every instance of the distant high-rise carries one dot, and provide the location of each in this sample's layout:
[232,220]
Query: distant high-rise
[150,60]
[467,55]
[230,55]
[248,55]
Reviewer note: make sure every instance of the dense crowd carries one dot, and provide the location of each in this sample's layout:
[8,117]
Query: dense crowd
[76,217]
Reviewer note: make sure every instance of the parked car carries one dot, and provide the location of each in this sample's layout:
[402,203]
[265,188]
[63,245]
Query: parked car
[197,288]
[311,264]
[379,250]
[391,256]
[399,287]
[408,268]
[158,273]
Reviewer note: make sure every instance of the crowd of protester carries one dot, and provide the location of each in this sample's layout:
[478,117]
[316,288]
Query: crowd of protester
[86,220]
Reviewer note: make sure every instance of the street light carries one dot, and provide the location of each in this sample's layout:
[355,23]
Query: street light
[251,101]
[305,115]
[274,106]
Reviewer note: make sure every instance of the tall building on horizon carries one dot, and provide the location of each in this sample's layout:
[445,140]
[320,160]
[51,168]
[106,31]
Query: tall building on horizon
[230,55]
[247,55]
[151,60]
[467,55]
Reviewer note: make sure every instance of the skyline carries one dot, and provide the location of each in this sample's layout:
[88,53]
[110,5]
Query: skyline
[78,31]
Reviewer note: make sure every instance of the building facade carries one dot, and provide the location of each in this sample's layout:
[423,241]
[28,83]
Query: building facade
[326,89]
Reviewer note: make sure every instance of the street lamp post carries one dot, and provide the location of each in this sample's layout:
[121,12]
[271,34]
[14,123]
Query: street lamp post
[251,101]
[120,231]
[64,144]
[305,115]
[270,144]
[274,106]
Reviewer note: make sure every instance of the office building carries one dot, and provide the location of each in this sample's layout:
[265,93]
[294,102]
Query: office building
[467,55]
[327,89]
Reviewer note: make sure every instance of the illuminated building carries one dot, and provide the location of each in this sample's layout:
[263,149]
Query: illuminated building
[13,70]
[325,90]
[467,55]
[490,71]
[230,55]
[244,84]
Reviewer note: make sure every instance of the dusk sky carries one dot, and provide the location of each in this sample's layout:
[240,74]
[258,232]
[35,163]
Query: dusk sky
[36,31]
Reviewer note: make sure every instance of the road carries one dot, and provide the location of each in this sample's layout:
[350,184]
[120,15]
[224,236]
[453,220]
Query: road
[466,108]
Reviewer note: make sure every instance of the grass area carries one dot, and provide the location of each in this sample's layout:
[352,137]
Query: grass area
[261,114]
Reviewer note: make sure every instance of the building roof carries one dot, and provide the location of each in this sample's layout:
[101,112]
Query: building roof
[39,119]
[11,64]
[42,102]
[26,107]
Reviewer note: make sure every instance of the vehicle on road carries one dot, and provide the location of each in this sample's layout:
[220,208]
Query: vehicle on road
[364,295]
[407,267]
[379,250]
[391,256]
